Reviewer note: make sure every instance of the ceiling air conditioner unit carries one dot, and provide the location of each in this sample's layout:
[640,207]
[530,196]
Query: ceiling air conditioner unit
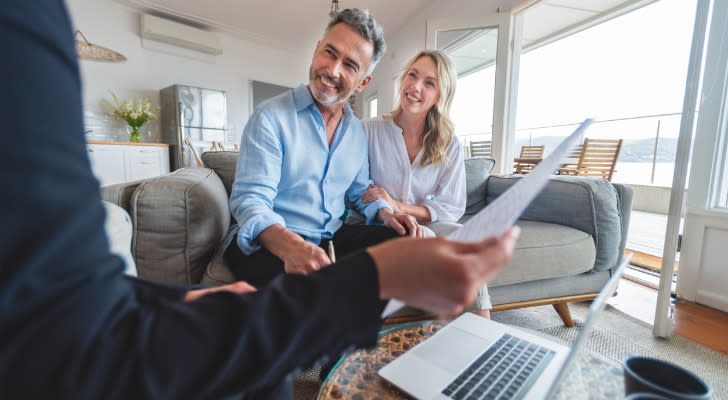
[178,34]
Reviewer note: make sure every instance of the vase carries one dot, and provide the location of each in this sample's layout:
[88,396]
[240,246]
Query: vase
[135,136]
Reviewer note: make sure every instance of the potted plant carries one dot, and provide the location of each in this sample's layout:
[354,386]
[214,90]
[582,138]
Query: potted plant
[136,113]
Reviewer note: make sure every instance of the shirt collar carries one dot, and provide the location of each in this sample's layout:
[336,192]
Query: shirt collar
[302,97]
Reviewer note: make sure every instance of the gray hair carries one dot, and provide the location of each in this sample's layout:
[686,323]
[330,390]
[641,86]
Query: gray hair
[364,23]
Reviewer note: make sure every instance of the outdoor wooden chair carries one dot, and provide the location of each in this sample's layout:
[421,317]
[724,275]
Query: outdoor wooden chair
[530,156]
[480,148]
[597,158]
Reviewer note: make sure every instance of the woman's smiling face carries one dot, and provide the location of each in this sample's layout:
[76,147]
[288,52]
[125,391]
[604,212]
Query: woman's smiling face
[420,88]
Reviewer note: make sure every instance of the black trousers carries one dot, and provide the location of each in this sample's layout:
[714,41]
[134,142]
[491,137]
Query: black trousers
[261,267]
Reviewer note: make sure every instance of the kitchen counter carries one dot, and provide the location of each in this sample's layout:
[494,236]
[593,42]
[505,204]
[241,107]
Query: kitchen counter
[118,162]
[114,142]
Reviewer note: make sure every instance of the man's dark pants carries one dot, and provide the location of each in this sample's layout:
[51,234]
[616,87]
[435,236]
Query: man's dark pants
[261,267]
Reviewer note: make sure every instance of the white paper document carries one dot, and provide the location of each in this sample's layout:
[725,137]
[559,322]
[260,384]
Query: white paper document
[495,219]
[503,212]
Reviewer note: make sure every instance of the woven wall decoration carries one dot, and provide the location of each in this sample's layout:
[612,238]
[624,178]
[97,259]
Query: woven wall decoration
[89,51]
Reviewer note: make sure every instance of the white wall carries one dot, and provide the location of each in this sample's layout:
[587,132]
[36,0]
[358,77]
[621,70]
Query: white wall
[116,26]
[411,38]
[651,198]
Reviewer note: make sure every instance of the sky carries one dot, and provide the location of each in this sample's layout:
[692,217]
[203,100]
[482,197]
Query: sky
[633,65]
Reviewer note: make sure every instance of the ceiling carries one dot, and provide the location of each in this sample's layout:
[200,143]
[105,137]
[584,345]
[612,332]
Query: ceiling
[544,22]
[288,24]
[281,24]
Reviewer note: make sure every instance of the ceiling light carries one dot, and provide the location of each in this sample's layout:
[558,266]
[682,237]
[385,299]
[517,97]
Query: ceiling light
[334,8]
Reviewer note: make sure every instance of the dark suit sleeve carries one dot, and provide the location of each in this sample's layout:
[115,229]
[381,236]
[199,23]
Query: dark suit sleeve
[71,325]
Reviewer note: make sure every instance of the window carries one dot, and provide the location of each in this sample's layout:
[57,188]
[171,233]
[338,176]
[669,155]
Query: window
[373,107]
[723,196]
[483,51]
[721,162]
[630,79]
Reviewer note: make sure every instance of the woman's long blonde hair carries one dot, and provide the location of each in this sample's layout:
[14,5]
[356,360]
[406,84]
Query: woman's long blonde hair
[439,129]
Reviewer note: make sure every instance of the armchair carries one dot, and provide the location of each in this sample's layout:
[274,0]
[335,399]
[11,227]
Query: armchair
[597,157]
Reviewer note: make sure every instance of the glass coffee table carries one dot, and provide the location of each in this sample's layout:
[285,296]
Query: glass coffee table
[355,375]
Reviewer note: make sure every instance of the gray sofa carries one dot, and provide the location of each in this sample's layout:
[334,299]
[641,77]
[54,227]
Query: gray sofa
[573,234]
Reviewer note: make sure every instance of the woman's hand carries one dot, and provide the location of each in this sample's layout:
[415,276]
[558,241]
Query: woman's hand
[379,193]
[404,224]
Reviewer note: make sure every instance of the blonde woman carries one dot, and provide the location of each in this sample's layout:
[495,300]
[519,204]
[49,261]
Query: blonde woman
[415,160]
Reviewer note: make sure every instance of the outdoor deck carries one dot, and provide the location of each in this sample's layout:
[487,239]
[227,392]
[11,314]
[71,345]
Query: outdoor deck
[646,238]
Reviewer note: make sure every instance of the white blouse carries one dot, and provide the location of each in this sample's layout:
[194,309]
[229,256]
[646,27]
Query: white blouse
[440,188]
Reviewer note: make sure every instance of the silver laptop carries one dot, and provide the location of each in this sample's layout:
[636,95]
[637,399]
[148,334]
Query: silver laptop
[476,358]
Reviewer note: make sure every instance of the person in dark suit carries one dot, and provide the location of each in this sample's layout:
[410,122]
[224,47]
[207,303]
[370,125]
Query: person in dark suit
[72,326]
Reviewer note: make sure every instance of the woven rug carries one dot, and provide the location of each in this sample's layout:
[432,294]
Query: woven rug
[615,336]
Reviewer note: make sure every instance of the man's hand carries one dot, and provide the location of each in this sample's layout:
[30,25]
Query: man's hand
[379,193]
[304,257]
[239,287]
[404,224]
[439,275]
[298,255]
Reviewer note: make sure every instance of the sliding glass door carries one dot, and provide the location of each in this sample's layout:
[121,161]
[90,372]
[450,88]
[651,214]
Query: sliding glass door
[479,48]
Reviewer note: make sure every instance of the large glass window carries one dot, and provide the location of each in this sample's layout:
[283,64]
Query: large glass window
[472,107]
[479,47]
[721,200]
[373,107]
[628,73]
[473,51]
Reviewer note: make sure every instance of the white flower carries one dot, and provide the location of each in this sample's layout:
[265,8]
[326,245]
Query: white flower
[135,113]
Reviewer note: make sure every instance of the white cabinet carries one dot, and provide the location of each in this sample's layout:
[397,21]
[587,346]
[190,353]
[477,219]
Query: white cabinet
[117,163]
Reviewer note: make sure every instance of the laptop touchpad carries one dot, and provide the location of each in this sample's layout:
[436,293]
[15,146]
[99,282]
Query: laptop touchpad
[452,350]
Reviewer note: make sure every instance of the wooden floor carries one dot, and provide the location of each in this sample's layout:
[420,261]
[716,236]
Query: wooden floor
[701,324]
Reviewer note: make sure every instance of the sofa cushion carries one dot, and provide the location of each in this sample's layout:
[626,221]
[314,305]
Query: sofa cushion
[546,250]
[179,219]
[224,164]
[587,204]
[120,194]
[217,272]
[476,174]
[119,231]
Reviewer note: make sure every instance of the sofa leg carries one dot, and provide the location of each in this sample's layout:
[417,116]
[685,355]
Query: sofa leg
[563,310]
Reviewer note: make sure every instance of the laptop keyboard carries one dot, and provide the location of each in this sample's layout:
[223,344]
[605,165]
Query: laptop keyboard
[505,371]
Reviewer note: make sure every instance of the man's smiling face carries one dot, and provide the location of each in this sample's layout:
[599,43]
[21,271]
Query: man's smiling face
[339,66]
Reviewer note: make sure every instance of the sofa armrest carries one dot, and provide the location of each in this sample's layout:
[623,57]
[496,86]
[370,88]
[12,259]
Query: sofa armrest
[594,206]
[178,221]
[120,194]
[626,194]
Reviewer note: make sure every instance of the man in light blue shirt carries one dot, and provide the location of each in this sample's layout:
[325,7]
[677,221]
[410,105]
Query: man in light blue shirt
[302,154]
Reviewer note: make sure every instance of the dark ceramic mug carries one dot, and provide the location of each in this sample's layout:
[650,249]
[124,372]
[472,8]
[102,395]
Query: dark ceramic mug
[645,396]
[651,375]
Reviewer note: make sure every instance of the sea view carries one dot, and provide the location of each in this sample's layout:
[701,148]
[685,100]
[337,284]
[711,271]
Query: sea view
[635,160]
[639,173]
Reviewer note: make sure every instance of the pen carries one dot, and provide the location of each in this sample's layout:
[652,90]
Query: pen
[332,254]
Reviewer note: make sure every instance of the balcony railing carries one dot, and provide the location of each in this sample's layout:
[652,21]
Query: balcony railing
[648,150]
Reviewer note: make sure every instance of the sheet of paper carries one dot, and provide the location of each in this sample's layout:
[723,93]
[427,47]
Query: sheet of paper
[392,306]
[504,211]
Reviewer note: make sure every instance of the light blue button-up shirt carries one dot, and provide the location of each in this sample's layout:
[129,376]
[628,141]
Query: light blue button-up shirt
[287,174]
